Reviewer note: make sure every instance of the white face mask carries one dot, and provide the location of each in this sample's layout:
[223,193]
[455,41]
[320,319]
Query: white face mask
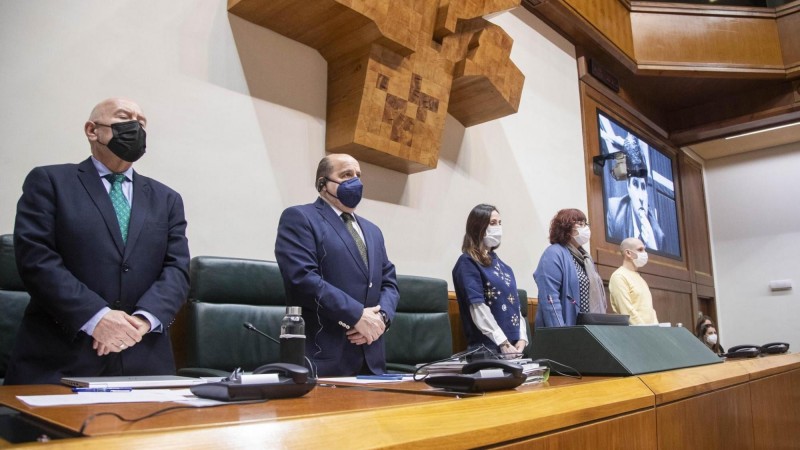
[493,235]
[711,339]
[641,259]
[584,234]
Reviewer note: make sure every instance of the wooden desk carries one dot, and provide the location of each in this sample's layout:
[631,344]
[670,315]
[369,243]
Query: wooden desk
[354,417]
[753,403]
[756,402]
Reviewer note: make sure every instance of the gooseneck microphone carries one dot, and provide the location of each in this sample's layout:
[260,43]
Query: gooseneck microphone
[553,308]
[251,327]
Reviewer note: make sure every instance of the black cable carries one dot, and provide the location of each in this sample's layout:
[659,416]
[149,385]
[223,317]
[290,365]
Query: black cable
[157,413]
[550,362]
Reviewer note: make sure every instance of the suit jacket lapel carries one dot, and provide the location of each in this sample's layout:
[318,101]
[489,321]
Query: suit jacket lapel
[341,229]
[139,210]
[88,176]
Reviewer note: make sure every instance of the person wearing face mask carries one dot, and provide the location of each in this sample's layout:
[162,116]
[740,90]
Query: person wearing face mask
[630,294]
[707,332]
[102,251]
[566,276]
[486,290]
[334,265]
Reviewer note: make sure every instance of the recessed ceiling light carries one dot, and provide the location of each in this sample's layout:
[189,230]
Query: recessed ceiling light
[764,130]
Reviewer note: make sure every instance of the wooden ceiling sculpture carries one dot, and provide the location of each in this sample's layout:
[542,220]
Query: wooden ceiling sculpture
[396,68]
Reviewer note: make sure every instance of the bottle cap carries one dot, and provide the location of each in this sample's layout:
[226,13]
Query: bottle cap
[294,310]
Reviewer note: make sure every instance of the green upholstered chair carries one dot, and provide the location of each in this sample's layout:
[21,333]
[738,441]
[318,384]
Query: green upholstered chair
[13,300]
[223,294]
[420,331]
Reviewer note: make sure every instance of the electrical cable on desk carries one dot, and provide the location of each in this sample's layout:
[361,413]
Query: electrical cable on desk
[550,362]
[157,413]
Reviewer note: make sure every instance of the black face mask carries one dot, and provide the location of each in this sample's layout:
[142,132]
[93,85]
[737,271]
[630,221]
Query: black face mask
[129,140]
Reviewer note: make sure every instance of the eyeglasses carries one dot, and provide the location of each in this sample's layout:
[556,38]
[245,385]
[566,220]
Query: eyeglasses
[582,223]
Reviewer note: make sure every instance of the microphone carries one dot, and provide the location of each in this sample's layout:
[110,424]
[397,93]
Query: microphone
[572,300]
[251,327]
[553,307]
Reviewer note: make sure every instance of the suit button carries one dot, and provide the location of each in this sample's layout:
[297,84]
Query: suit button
[370,284]
[125,268]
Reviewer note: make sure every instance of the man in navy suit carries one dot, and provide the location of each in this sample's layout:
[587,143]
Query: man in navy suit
[334,266]
[103,253]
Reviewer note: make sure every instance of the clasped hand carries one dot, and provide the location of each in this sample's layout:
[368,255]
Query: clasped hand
[369,328]
[117,331]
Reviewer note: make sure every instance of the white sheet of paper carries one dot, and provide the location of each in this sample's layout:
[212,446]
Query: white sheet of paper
[354,380]
[135,396]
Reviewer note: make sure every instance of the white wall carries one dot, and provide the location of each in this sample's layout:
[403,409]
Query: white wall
[236,123]
[755,235]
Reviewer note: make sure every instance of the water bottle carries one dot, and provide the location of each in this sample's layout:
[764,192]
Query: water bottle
[293,336]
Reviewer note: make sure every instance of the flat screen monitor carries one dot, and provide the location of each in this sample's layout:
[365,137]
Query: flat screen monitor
[644,205]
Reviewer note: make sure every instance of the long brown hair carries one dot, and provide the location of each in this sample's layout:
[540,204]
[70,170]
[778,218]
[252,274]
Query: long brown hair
[477,222]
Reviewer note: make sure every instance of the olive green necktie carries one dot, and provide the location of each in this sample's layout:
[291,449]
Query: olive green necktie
[121,206]
[362,249]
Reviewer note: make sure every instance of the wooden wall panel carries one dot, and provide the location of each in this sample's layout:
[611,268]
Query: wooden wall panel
[633,431]
[731,43]
[700,72]
[695,221]
[609,17]
[673,307]
[776,404]
[720,419]
[788,26]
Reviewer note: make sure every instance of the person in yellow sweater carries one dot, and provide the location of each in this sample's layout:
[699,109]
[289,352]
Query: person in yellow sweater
[630,294]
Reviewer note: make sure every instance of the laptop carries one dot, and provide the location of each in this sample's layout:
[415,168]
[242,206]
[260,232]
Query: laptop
[142,381]
[602,319]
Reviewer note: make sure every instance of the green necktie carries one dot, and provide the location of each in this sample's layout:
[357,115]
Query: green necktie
[121,206]
[362,249]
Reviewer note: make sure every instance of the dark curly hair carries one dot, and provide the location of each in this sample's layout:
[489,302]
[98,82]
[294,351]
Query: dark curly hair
[562,223]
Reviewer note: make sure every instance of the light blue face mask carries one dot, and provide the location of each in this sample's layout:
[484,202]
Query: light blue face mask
[349,192]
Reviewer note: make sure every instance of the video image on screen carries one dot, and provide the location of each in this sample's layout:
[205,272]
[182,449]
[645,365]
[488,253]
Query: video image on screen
[640,207]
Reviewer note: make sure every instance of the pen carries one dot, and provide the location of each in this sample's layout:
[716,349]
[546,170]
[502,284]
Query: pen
[77,389]
[385,376]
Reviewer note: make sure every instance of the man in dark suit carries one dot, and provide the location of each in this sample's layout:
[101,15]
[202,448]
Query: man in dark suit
[103,253]
[334,266]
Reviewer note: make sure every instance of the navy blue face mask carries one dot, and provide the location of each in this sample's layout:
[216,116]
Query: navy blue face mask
[129,141]
[349,192]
